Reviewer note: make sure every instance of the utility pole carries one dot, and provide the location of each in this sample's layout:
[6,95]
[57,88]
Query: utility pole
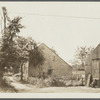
[1,24]
[4,16]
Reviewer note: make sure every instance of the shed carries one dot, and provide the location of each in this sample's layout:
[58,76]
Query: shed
[93,65]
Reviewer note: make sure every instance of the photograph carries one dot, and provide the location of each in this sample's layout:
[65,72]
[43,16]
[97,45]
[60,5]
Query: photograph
[49,47]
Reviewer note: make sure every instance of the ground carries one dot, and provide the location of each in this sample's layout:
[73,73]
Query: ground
[26,88]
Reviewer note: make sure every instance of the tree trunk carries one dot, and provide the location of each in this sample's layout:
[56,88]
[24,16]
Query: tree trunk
[40,71]
[22,72]
[1,79]
[83,65]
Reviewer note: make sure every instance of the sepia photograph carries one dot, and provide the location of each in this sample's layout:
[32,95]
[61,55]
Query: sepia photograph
[50,47]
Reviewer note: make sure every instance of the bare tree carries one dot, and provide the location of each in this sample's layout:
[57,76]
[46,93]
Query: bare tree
[81,55]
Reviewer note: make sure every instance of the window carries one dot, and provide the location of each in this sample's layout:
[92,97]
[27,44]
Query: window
[49,71]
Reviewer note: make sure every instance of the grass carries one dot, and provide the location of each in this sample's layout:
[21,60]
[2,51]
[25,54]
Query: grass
[7,89]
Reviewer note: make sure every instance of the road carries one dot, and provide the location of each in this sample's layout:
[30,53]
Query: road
[33,89]
[26,88]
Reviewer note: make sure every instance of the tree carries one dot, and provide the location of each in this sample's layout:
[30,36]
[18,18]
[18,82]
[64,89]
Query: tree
[28,50]
[8,52]
[24,48]
[15,50]
[36,58]
[81,55]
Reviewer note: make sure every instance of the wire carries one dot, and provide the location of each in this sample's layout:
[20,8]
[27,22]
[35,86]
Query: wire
[59,16]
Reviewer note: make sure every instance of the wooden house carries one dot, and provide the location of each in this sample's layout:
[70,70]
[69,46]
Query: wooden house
[93,65]
[53,65]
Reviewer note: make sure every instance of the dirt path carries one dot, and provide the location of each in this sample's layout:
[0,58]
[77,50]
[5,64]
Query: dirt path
[23,88]
[26,88]
[19,87]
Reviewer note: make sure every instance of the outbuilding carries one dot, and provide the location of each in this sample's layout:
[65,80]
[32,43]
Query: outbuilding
[92,68]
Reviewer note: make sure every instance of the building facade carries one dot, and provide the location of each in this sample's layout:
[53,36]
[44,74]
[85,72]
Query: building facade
[93,65]
[53,65]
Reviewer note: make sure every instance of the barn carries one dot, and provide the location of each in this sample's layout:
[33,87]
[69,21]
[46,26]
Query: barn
[53,65]
[93,66]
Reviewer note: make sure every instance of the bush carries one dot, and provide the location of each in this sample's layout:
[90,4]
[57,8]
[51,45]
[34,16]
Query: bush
[54,82]
[45,83]
[6,81]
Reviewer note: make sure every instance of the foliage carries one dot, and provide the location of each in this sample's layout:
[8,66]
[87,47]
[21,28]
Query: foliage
[15,50]
[36,57]
[8,52]
[81,54]
[28,50]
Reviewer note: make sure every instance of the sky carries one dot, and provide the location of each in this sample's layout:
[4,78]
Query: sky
[60,25]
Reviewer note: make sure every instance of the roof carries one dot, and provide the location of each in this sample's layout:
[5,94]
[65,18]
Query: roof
[54,53]
[95,54]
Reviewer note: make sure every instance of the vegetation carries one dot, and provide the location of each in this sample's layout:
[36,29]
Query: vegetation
[80,56]
[15,50]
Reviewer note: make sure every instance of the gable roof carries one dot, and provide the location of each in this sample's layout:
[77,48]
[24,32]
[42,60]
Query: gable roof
[54,53]
[95,54]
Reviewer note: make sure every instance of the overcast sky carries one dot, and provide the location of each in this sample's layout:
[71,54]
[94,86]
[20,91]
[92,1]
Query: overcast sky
[61,25]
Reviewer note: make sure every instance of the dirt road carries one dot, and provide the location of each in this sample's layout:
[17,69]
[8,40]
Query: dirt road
[33,89]
[26,88]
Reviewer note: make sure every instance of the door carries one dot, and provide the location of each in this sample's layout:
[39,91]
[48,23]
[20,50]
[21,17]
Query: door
[96,70]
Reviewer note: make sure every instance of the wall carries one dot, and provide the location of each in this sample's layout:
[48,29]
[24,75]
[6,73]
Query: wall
[52,61]
[95,54]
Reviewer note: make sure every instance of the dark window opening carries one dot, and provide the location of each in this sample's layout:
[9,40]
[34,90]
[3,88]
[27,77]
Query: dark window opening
[50,71]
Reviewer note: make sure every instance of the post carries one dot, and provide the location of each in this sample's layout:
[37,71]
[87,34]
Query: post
[21,71]
[4,15]
[1,24]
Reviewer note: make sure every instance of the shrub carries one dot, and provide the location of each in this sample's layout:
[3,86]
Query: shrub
[54,81]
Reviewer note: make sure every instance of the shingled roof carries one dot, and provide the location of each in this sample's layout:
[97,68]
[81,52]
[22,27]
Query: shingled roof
[41,45]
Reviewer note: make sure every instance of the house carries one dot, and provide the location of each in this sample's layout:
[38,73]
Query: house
[53,65]
[93,65]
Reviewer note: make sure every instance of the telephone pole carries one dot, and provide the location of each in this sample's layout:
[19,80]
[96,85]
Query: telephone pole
[1,24]
[4,16]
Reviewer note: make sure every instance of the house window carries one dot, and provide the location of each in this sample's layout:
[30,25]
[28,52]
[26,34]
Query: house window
[50,71]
